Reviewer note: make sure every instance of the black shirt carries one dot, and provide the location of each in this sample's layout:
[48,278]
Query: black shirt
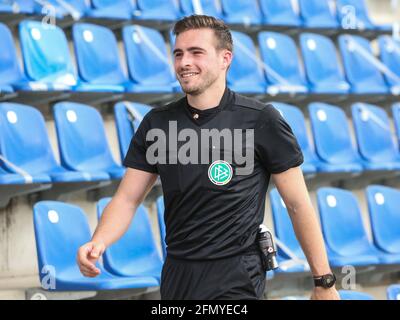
[206,219]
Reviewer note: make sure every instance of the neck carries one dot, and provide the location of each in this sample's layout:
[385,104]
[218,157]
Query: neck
[207,99]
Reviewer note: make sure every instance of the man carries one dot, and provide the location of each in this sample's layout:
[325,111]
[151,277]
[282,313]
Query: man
[213,207]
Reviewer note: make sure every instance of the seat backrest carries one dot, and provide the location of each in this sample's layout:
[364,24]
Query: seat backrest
[207,7]
[393,292]
[279,52]
[96,50]
[24,140]
[384,204]
[282,12]
[247,10]
[373,132]
[46,54]
[318,13]
[144,65]
[390,55]
[354,295]
[81,137]
[98,4]
[332,145]
[166,8]
[396,120]
[126,125]
[10,71]
[357,10]
[341,222]
[283,226]
[161,224]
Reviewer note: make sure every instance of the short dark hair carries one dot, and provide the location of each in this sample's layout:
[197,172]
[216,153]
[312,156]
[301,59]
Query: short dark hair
[221,31]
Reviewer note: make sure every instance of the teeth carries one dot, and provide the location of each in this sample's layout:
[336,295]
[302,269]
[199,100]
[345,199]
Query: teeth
[185,75]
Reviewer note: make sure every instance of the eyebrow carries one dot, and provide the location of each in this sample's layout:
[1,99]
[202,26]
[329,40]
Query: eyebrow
[190,49]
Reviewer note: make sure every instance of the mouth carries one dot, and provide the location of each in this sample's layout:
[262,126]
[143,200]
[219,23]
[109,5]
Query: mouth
[185,75]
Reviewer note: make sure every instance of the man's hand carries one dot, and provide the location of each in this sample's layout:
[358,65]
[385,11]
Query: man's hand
[87,257]
[320,293]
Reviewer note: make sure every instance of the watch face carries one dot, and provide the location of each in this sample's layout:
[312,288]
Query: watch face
[329,281]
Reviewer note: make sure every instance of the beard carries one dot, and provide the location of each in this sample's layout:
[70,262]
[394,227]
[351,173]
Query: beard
[198,89]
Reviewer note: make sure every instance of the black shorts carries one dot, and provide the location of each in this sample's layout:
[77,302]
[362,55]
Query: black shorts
[239,277]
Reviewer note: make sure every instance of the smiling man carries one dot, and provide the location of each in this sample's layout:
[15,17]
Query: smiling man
[213,209]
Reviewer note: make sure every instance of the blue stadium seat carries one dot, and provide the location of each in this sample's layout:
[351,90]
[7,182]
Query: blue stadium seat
[297,122]
[74,8]
[33,154]
[157,10]
[136,253]
[161,224]
[354,295]
[318,14]
[384,204]
[111,9]
[17,6]
[148,65]
[98,61]
[279,52]
[10,178]
[390,56]
[128,123]
[393,292]
[241,12]
[322,65]
[375,141]
[207,7]
[245,75]
[285,233]
[280,13]
[396,120]
[334,147]
[60,229]
[82,141]
[363,76]
[48,63]
[354,10]
[345,236]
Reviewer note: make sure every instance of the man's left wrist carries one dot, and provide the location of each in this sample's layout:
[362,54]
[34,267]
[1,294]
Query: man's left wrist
[325,281]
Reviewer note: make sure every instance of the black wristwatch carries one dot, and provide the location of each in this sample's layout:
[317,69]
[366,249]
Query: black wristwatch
[326,281]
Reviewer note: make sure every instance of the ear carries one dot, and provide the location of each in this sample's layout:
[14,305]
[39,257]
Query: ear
[226,58]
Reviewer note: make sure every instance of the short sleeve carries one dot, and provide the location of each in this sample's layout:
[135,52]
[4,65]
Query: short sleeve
[275,144]
[136,156]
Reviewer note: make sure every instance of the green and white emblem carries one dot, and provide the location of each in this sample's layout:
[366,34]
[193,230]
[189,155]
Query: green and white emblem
[220,172]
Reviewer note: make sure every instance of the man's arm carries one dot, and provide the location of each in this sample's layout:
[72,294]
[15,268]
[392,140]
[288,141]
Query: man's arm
[116,218]
[293,190]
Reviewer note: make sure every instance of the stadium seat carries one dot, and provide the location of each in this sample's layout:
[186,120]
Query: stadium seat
[47,60]
[127,122]
[136,253]
[396,120]
[60,229]
[148,65]
[297,122]
[384,204]
[363,76]
[285,233]
[241,12]
[279,52]
[318,14]
[245,74]
[31,153]
[207,7]
[98,61]
[17,6]
[10,72]
[322,65]
[157,10]
[334,147]
[74,8]
[280,13]
[82,141]
[161,224]
[354,295]
[353,14]
[390,56]
[343,228]
[10,178]
[393,292]
[111,9]
[374,137]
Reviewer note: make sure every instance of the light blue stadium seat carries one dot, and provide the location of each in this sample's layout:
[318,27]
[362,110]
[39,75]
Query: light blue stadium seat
[280,13]
[279,52]
[390,55]
[47,60]
[354,295]
[334,147]
[322,65]
[136,253]
[318,14]
[396,120]
[245,75]
[17,6]
[374,137]
[61,9]
[345,236]
[111,9]
[285,233]
[31,153]
[127,123]
[393,292]
[157,10]
[297,122]
[82,141]
[161,224]
[60,229]
[207,7]
[363,76]
[384,204]
[148,65]
[10,178]
[241,12]
[354,11]
[98,61]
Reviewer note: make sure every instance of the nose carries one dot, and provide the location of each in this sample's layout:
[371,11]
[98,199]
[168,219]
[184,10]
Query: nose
[184,61]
